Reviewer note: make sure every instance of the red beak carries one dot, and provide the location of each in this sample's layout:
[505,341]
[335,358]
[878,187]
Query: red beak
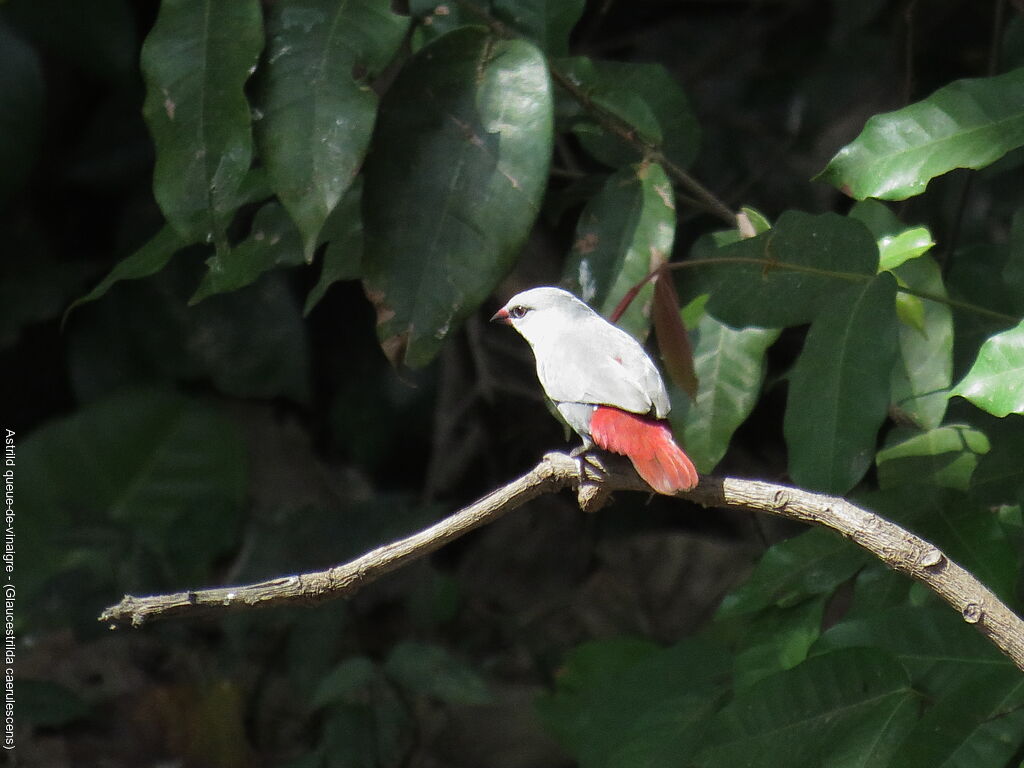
[501,316]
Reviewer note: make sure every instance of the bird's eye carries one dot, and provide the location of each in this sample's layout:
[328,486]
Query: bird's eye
[517,311]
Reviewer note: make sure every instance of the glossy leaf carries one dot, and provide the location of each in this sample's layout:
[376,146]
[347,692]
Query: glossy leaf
[786,275]
[729,365]
[897,243]
[923,372]
[829,710]
[318,110]
[966,124]
[624,233]
[945,456]
[995,382]
[646,97]
[464,138]
[273,242]
[196,61]
[839,388]
[148,260]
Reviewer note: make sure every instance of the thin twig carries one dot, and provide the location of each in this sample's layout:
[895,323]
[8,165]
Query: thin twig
[898,548]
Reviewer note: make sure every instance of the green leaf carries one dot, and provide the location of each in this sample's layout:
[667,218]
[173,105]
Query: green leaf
[622,702]
[196,60]
[923,372]
[945,456]
[430,670]
[777,639]
[933,643]
[273,242]
[318,113]
[831,710]
[966,124]
[839,388]
[344,682]
[545,23]
[909,244]
[784,276]
[995,382]
[143,464]
[646,97]
[999,477]
[805,566]
[146,261]
[343,233]
[463,144]
[624,233]
[729,365]
[979,722]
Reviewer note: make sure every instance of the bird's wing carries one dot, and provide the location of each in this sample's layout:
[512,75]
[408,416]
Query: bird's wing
[596,362]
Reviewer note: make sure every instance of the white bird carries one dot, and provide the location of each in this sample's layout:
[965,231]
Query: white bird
[602,382]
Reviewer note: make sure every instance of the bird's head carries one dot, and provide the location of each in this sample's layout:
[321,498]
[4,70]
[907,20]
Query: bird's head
[540,311]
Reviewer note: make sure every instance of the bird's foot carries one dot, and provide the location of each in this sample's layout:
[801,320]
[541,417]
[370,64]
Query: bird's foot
[592,493]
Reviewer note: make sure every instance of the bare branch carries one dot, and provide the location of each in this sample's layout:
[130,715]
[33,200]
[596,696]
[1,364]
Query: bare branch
[896,547]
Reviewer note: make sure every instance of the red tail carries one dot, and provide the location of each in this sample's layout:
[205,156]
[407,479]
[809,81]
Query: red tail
[648,444]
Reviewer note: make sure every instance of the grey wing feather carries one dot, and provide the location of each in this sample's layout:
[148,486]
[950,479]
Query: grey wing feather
[605,366]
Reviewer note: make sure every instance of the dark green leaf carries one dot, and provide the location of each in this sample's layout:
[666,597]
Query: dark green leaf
[933,643]
[966,124]
[345,682]
[273,242]
[924,367]
[196,60]
[643,95]
[832,710]
[148,260]
[622,702]
[729,365]
[945,456]
[777,639]
[811,564]
[546,23]
[999,477]
[995,382]
[839,388]
[141,463]
[318,113]
[453,185]
[979,722]
[430,670]
[786,275]
[343,233]
[623,234]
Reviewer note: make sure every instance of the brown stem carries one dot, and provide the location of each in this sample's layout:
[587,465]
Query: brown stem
[896,547]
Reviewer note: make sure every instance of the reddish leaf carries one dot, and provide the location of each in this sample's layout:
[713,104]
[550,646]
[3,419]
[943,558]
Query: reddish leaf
[673,341]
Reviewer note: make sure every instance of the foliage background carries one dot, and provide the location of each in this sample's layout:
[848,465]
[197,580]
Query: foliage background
[226,413]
